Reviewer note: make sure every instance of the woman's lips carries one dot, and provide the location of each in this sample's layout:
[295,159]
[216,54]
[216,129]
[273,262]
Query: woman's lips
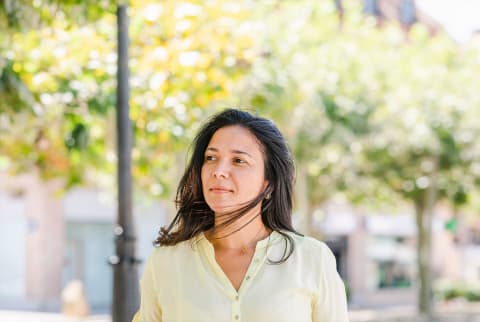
[220,189]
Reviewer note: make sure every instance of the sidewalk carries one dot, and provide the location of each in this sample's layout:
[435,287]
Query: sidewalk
[453,312]
[23,316]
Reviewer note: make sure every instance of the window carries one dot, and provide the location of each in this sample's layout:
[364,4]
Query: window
[393,274]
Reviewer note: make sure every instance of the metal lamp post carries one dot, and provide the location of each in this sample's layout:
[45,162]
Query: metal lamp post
[124,262]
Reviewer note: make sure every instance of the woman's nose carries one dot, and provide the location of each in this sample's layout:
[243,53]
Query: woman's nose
[221,171]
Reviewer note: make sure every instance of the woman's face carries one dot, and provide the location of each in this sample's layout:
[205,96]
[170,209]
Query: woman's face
[233,169]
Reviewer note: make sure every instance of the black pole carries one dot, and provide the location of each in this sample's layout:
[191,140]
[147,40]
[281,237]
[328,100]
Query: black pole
[125,275]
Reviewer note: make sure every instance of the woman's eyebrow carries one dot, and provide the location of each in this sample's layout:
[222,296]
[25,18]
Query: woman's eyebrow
[240,152]
[232,151]
[211,149]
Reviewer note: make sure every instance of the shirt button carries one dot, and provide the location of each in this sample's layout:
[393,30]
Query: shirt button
[236,317]
[248,277]
[236,298]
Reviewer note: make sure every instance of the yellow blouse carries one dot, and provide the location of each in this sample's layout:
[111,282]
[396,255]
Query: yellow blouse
[184,283]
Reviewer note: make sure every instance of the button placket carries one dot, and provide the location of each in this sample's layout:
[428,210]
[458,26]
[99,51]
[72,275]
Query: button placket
[236,309]
[253,268]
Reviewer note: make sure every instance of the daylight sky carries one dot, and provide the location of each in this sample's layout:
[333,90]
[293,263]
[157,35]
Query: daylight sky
[459,17]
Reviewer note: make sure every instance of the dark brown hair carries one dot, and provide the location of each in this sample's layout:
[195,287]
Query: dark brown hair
[194,215]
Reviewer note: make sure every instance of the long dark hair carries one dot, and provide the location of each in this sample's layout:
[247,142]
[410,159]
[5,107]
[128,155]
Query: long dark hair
[194,215]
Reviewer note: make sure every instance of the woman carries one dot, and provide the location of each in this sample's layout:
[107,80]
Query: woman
[231,253]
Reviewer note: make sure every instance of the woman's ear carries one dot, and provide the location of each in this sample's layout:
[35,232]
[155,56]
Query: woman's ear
[266,185]
[267,190]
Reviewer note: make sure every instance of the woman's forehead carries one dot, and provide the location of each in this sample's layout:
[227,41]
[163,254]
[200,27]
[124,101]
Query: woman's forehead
[235,139]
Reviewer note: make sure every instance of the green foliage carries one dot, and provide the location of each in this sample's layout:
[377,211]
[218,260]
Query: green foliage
[449,291]
[14,95]
[368,108]
[184,59]
[24,15]
[357,103]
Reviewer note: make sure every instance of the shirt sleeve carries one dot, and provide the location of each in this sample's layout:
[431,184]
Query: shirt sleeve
[330,303]
[150,308]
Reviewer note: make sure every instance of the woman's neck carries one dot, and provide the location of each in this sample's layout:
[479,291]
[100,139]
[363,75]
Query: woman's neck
[243,234]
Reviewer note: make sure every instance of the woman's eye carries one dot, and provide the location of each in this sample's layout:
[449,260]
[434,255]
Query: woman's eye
[238,160]
[209,158]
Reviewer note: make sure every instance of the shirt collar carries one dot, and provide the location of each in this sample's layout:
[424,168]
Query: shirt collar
[273,238]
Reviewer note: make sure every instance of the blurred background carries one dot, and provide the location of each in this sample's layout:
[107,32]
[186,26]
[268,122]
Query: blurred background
[379,101]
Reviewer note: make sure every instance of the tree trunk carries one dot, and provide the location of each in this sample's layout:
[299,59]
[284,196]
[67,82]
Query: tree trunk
[424,211]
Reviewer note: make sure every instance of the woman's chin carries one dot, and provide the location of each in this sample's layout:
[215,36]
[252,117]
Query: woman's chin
[223,209]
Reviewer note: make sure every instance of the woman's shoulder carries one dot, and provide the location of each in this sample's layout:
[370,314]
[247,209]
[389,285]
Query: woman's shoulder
[304,240]
[308,245]
[167,254]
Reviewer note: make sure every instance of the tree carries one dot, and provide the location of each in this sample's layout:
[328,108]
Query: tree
[59,118]
[304,82]
[423,143]
[362,114]
[34,87]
